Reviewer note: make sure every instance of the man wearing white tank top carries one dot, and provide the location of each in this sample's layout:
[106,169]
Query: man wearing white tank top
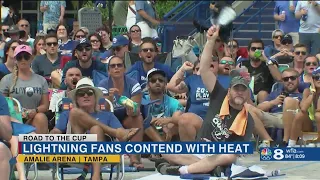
[146,18]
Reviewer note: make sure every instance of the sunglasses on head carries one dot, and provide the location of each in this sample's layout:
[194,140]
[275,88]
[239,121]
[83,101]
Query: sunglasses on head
[227,62]
[147,50]
[316,77]
[300,53]
[81,48]
[82,92]
[255,48]
[135,31]
[311,64]
[52,43]
[277,37]
[23,55]
[154,80]
[119,65]
[80,36]
[292,78]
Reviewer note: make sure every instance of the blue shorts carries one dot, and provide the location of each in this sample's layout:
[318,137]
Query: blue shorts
[121,114]
[19,128]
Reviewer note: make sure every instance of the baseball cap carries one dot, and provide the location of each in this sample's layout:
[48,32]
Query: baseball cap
[237,78]
[286,39]
[22,48]
[154,71]
[83,42]
[119,40]
[316,71]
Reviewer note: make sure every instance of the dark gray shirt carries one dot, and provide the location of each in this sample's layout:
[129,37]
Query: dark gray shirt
[43,66]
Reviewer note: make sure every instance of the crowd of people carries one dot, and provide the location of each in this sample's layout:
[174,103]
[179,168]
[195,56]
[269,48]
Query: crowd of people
[228,94]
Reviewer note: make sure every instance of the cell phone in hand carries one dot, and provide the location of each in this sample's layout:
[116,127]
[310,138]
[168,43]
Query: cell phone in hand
[284,93]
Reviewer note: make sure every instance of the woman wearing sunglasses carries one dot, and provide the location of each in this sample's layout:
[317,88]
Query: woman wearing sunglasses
[80,34]
[310,64]
[117,85]
[9,61]
[30,89]
[135,38]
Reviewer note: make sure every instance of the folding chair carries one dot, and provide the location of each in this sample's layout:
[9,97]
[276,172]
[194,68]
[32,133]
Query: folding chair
[67,105]
[15,109]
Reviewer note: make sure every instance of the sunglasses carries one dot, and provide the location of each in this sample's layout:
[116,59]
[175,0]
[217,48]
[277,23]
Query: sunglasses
[135,31]
[82,93]
[255,48]
[120,65]
[300,53]
[80,36]
[24,56]
[159,44]
[4,30]
[292,78]
[277,37]
[227,62]
[232,46]
[311,64]
[81,48]
[147,50]
[316,78]
[154,80]
[52,44]
[13,47]
[94,41]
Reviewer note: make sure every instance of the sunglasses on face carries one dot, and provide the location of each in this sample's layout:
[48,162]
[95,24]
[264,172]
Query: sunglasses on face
[316,78]
[80,36]
[24,56]
[81,48]
[300,53]
[94,41]
[232,46]
[147,50]
[292,78]
[82,93]
[227,62]
[4,30]
[154,80]
[52,44]
[277,37]
[311,64]
[255,48]
[119,65]
[135,31]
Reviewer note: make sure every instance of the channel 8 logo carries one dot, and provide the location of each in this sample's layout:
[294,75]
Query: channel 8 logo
[268,154]
[278,154]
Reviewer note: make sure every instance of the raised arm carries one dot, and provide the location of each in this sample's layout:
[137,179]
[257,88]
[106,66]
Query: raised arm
[176,84]
[208,77]
[306,101]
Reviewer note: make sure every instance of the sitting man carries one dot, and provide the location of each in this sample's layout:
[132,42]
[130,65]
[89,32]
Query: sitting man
[226,109]
[84,62]
[164,113]
[226,64]
[84,117]
[277,111]
[5,135]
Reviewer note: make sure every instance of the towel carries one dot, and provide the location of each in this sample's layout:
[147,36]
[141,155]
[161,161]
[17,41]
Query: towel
[239,124]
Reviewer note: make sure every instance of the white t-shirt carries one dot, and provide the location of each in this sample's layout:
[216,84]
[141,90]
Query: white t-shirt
[131,17]
[4,12]
[312,24]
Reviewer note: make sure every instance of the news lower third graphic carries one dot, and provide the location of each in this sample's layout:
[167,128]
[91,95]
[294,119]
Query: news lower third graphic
[289,154]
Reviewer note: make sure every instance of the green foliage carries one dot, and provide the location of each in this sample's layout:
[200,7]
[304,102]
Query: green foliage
[104,11]
[163,7]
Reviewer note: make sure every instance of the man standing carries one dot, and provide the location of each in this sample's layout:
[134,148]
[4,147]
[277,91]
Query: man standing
[284,13]
[309,33]
[24,25]
[120,11]
[146,18]
[53,13]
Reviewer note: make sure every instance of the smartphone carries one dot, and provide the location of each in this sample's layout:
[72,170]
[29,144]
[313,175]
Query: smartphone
[285,94]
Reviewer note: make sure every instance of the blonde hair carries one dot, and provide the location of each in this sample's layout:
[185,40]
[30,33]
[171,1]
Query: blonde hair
[15,78]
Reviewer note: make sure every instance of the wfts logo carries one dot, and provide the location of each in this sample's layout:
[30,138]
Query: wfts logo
[265,154]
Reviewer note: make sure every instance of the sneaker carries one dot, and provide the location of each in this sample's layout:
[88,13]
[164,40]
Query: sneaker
[264,144]
[167,169]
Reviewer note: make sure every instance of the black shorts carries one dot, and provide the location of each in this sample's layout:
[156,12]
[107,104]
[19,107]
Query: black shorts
[121,114]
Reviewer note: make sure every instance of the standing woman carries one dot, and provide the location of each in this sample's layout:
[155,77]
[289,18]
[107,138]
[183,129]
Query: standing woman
[30,89]
[8,61]
[135,39]
[38,46]
[117,85]
[131,16]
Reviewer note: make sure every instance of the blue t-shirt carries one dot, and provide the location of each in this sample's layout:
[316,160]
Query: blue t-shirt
[142,75]
[198,95]
[131,88]
[68,47]
[4,70]
[104,117]
[148,8]
[101,55]
[4,108]
[52,14]
[279,108]
[270,51]
[291,23]
[166,108]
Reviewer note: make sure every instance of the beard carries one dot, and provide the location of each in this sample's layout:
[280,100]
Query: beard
[238,101]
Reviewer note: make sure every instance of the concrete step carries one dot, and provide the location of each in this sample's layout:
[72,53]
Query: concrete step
[263,3]
[252,34]
[244,42]
[264,18]
[255,26]
[266,11]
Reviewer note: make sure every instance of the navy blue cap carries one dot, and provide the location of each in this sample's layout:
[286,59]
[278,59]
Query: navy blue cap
[119,41]
[82,42]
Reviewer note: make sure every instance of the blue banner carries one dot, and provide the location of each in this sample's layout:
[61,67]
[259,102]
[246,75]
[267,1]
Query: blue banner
[134,148]
[290,154]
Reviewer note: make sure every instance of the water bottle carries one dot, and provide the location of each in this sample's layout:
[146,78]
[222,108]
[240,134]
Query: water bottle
[284,14]
[123,100]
